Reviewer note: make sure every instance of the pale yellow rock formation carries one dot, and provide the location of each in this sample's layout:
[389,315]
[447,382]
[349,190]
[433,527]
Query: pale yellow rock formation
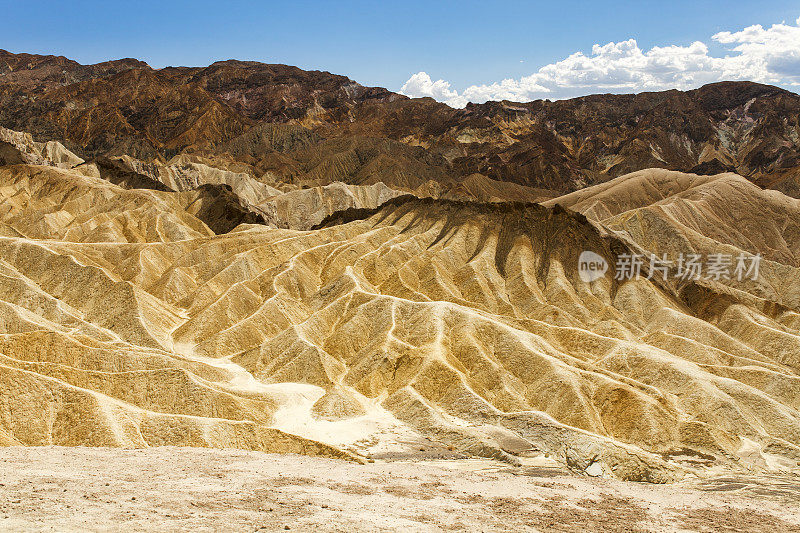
[125,321]
[293,207]
[305,208]
[19,147]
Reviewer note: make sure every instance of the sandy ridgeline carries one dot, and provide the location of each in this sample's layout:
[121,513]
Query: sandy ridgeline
[190,489]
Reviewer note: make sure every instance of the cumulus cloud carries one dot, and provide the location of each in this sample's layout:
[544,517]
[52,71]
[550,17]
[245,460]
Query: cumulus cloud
[420,85]
[769,55]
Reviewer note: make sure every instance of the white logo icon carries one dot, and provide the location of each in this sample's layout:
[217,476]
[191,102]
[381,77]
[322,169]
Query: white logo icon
[591,266]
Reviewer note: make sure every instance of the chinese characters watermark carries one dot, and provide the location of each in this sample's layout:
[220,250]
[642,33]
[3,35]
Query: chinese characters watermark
[694,267]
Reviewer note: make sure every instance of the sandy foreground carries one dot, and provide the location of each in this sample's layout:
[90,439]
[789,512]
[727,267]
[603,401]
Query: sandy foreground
[169,489]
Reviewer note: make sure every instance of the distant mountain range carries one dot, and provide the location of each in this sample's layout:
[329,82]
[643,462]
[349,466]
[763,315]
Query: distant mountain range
[314,128]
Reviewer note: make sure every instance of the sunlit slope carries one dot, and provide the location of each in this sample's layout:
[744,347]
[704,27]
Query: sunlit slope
[670,213]
[125,321]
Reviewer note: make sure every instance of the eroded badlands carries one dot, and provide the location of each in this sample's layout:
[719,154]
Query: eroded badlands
[414,327]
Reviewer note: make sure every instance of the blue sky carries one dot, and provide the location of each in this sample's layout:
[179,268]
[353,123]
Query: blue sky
[466,43]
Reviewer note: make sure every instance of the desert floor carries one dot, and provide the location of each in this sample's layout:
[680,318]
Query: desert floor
[169,489]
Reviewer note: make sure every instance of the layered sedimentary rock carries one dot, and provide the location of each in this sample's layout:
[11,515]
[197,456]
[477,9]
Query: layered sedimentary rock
[321,127]
[18,147]
[295,207]
[127,320]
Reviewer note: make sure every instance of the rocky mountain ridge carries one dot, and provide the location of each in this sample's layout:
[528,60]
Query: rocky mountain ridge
[320,127]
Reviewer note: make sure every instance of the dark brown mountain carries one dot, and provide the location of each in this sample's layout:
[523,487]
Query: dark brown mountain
[126,106]
[320,127]
[744,127]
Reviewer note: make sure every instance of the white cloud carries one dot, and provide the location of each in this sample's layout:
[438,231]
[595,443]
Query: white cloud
[420,84]
[763,55]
